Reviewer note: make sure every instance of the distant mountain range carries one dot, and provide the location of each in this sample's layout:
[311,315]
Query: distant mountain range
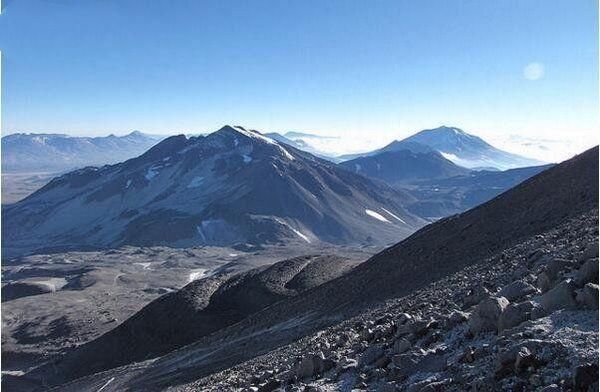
[457,146]
[52,153]
[234,186]
[300,144]
[440,187]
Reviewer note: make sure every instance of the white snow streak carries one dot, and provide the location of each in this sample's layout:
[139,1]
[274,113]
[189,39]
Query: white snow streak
[258,136]
[201,233]
[196,274]
[376,216]
[106,384]
[304,237]
[393,215]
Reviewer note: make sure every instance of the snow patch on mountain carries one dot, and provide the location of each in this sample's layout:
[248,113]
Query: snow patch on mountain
[151,173]
[258,136]
[305,238]
[377,216]
[196,274]
[196,182]
[393,215]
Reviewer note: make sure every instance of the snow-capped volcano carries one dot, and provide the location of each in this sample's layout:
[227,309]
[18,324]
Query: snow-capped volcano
[231,186]
[457,146]
[465,149]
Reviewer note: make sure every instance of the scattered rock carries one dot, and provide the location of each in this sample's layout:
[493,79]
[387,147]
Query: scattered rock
[544,281]
[562,296]
[382,362]
[524,359]
[514,315]
[370,355]
[456,317]
[435,386]
[517,290]
[475,296]
[387,387]
[401,345]
[269,386]
[310,366]
[556,266]
[403,318]
[486,314]
[588,296]
[590,251]
[419,361]
[551,388]
[588,273]
[469,355]
[585,376]
[347,364]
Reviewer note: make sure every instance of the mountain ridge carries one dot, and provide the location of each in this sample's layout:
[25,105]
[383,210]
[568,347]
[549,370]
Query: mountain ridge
[232,186]
[48,152]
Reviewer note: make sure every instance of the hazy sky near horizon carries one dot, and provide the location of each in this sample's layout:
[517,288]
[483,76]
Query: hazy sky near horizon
[374,71]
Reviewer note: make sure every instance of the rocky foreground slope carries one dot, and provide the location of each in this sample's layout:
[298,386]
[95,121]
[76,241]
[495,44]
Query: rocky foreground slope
[525,319]
[501,297]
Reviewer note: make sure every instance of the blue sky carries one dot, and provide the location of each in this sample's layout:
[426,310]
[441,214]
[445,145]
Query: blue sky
[371,70]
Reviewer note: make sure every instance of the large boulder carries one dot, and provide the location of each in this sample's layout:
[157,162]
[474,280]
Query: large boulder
[310,366]
[556,266]
[370,355]
[590,252]
[585,376]
[401,345]
[517,290]
[588,273]
[514,315]
[562,296]
[588,296]
[418,361]
[475,296]
[544,281]
[486,314]
[455,318]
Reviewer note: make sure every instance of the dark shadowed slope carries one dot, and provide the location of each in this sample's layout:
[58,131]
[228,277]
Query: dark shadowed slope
[405,165]
[438,198]
[230,187]
[200,308]
[539,204]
